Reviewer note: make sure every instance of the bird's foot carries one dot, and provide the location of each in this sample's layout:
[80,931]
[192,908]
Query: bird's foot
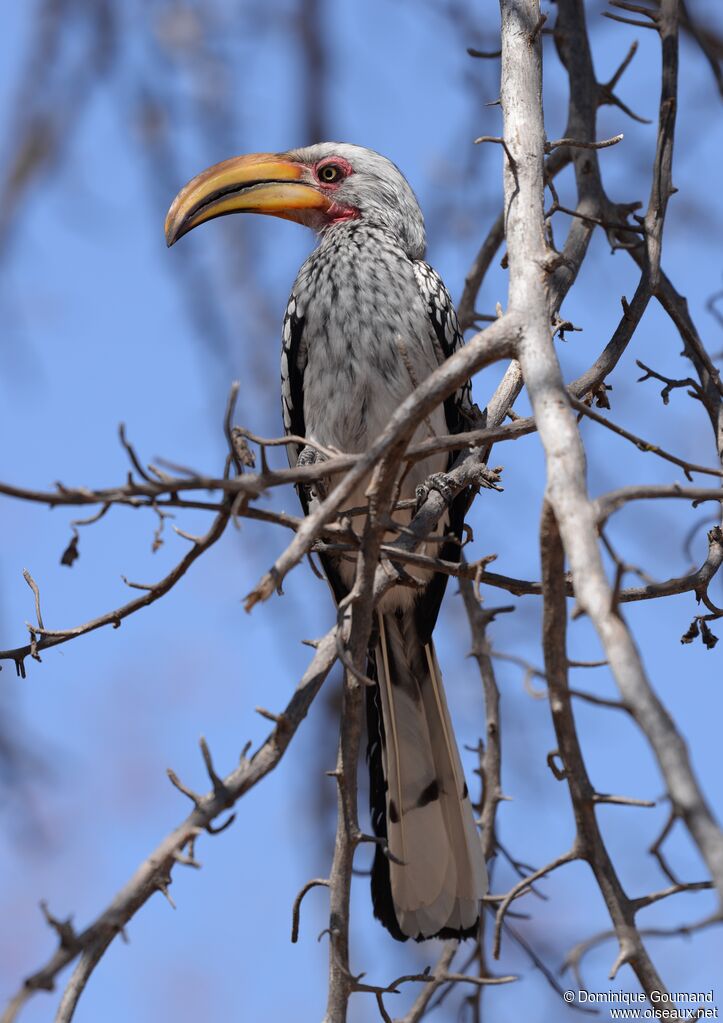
[437,481]
[310,456]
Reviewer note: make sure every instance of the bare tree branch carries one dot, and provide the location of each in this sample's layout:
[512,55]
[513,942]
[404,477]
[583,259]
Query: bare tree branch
[155,873]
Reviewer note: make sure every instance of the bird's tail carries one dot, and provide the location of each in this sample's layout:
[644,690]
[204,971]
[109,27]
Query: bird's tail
[431,883]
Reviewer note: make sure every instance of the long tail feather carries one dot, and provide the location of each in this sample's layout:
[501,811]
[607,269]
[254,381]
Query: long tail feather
[433,880]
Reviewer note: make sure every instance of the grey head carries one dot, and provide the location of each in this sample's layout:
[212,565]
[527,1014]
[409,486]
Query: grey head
[321,186]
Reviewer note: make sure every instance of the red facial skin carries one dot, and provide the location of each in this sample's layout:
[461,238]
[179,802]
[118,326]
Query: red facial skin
[337,213]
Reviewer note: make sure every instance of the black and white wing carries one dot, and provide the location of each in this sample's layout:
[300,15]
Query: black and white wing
[460,413]
[459,409]
[294,358]
[293,366]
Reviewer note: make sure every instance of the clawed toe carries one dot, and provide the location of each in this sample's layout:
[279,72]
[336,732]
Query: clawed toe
[437,481]
[308,456]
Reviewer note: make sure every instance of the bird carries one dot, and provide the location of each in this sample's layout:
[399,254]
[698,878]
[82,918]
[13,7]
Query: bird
[367,321]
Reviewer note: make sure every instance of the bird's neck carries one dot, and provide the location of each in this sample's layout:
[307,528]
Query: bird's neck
[360,234]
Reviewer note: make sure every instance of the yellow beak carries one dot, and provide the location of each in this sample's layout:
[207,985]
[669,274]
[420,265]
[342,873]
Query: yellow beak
[258,183]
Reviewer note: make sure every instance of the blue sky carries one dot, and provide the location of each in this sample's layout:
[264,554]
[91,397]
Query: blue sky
[96,331]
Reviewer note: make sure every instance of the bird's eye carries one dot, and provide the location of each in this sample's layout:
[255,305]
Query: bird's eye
[329,172]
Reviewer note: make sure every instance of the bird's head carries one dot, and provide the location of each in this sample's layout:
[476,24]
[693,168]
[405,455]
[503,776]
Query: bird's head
[320,186]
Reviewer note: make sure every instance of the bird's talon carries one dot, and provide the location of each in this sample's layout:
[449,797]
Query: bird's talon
[437,481]
[308,456]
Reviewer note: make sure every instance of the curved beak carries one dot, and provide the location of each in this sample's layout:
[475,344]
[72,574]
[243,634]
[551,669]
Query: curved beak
[259,183]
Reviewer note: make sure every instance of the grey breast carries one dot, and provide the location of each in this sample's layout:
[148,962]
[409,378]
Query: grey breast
[367,335]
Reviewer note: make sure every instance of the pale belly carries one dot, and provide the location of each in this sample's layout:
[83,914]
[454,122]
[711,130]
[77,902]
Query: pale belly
[329,431]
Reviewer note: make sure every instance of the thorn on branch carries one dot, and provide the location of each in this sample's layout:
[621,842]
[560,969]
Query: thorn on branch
[316,883]
[538,28]
[136,586]
[92,518]
[280,720]
[656,848]
[582,144]
[484,54]
[500,142]
[213,830]
[632,8]
[623,66]
[382,843]
[607,98]
[480,566]
[186,859]
[312,565]
[239,451]
[690,886]
[33,643]
[176,781]
[521,868]
[63,928]
[158,531]
[455,978]
[130,451]
[219,787]
[163,887]
[628,21]
[36,593]
[560,773]
[604,797]
[187,536]
[164,477]
[626,954]
[488,614]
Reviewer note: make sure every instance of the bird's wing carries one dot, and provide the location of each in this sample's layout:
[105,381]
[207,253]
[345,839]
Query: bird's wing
[458,408]
[294,357]
[293,365]
[459,411]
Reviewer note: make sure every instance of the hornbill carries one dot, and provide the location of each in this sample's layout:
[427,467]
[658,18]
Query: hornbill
[366,322]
